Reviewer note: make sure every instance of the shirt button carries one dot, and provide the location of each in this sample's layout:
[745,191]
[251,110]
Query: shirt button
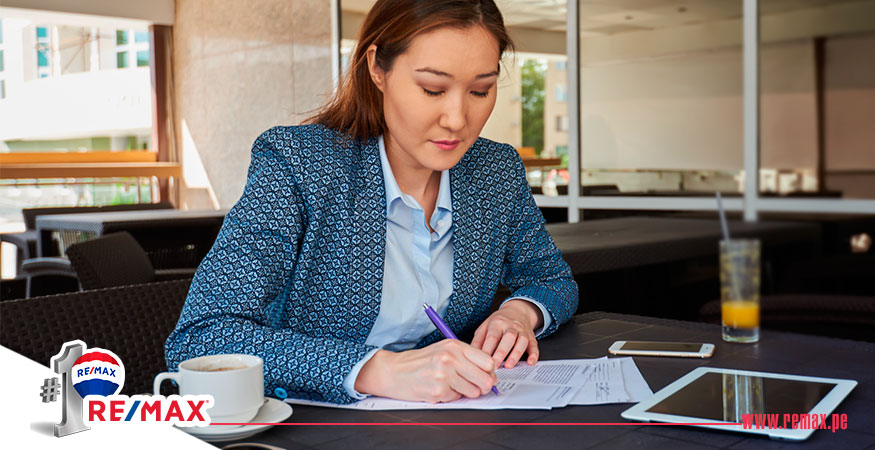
[280,393]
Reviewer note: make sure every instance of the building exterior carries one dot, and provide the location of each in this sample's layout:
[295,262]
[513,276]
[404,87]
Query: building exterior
[73,87]
[555,109]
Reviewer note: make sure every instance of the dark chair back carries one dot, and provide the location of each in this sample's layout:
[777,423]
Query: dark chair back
[132,321]
[108,261]
[841,316]
[842,274]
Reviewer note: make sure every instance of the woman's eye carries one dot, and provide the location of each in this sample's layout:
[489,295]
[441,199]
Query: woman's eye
[435,94]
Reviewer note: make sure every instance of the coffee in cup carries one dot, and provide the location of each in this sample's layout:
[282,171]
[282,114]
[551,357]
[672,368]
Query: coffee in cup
[235,381]
[219,369]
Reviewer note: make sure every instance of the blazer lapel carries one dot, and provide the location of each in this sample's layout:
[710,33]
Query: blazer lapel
[368,236]
[469,241]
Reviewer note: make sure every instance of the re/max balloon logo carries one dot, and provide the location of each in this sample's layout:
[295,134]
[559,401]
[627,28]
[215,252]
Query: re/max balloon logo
[92,380]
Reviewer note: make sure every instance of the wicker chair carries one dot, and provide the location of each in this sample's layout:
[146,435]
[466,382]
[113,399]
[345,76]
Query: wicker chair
[116,260]
[132,321]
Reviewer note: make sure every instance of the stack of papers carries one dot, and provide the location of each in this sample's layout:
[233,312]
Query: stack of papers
[546,385]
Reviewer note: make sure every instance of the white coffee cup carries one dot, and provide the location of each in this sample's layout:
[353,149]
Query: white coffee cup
[236,383]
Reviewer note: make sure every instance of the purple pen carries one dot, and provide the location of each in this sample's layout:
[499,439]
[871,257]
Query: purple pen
[443,328]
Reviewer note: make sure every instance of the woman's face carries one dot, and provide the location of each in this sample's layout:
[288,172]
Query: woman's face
[442,88]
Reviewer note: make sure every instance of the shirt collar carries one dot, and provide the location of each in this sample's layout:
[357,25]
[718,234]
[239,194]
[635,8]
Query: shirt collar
[393,191]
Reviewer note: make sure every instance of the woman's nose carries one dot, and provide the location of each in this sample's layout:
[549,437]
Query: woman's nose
[454,114]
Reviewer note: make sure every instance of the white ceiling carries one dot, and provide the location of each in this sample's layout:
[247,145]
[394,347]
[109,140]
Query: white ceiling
[605,17]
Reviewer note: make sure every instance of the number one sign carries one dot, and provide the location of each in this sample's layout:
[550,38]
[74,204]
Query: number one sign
[71,412]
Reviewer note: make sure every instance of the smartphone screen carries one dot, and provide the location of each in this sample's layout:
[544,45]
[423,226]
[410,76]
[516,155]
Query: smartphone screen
[661,346]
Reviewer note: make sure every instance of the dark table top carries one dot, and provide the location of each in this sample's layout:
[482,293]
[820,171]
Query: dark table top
[589,336]
[78,227]
[610,244]
[95,222]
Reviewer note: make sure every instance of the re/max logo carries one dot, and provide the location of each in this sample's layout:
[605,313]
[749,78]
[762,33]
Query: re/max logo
[95,370]
[186,411]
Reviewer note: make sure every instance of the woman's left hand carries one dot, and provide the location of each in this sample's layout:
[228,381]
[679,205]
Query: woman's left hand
[509,332]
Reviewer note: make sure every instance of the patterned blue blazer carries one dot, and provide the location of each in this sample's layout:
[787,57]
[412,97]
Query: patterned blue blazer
[295,275]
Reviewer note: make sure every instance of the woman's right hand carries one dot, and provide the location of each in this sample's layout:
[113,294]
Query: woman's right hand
[442,372]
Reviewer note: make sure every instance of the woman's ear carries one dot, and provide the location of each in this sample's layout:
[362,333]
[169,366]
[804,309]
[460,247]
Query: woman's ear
[377,74]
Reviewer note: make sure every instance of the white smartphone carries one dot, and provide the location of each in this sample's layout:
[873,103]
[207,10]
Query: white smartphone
[656,348]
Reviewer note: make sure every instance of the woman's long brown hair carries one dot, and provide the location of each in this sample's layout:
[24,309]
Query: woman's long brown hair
[357,106]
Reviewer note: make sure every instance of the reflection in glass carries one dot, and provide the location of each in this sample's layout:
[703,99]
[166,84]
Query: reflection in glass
[817,84]
[660,97]
[741,395]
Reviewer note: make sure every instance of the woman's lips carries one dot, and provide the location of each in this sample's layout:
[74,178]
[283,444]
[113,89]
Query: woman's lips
[446,145]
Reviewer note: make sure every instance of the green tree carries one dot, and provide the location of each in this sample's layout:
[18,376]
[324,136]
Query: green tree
[532,77]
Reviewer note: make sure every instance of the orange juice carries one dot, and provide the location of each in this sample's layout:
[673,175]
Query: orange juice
[741,314]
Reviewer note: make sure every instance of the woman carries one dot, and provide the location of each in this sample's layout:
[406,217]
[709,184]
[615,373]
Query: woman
[386,200]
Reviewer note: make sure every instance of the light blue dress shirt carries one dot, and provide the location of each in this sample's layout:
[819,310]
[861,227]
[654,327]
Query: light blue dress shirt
[418,269]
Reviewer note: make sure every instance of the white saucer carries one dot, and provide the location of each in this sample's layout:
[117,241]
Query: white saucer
[273,411]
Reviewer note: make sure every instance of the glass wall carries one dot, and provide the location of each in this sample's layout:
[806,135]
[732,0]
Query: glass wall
[658,103]
[817,99]
[660,98]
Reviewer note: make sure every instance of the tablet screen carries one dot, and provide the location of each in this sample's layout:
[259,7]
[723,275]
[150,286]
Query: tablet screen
[726,396]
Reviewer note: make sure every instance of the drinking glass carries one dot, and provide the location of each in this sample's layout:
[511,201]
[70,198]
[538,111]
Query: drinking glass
[740,289]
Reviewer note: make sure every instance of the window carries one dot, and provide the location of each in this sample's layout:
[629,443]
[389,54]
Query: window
[1,60]
[2,89]
[43,52]
[560,65]
[561,150]
[562,123]
[561,93]
[132,48]
[142,58]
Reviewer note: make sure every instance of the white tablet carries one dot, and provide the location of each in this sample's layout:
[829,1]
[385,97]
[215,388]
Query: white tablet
[773,404]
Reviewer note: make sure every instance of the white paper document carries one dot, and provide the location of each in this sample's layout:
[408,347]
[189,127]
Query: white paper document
[605,384]
[546,385]
[615,380]
[636,387]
